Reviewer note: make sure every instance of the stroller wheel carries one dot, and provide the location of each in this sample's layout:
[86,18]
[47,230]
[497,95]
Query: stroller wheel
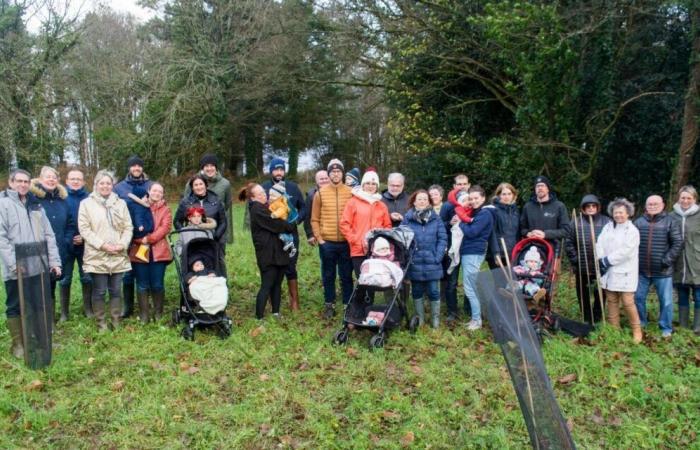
[413,324]
[225,328]
[377,341]
[187,333]
[175,317]
[341,337]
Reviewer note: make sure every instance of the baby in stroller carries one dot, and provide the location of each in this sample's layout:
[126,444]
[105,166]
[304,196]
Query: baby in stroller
[530,275]
[382,269]
[205,287]
[280,209]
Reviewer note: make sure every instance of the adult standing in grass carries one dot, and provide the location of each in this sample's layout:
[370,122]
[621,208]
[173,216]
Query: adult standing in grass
[296,199]
[660,243]
[150,274]
[618,250]
[321,179]
[686,275]
[22,220]
[52,197]
[326,212]
[218,184]
[431,244]
[270,255]
[506,224]
[105,225]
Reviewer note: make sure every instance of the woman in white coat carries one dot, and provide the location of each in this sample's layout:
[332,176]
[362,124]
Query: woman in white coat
[618,253]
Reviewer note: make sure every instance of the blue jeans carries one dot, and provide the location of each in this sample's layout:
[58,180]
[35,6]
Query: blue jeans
[684,295]
[420,288]
[149,277]
[68,265]
[451,294]
[471,264]
[335,259]
[664,290]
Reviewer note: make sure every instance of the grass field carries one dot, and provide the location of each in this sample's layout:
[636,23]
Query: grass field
[283,385]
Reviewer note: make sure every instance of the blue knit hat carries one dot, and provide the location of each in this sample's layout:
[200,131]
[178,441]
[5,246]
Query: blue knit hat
[277,163]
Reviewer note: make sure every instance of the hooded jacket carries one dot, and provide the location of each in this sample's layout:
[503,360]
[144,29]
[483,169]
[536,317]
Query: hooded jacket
[687,268]
[57,210]
[660,243]
[105,221]
[75,196]
[506,225]
[581,253]
[359,216]
[265,231]
[431,245]
[23,223]
[550,217]
[398,204]
[212,208]
[160,250]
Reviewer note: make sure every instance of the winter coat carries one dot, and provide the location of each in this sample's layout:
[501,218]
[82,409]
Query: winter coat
[506,225]
[398,204]
[550,216]
[687,268]
[265,231]
[105,221]
[581,253]
[620,244]
[75,196]
[221,186]
[476,233]
[212,208]
[431,245]
[22,223]
[126,186]
[360,216]
[57,210]
[141,217]
[327,210]
[157,240]
[307,220]
[296,199]
[660,243]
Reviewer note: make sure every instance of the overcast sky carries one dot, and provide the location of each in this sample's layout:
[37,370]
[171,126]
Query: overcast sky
[83,6]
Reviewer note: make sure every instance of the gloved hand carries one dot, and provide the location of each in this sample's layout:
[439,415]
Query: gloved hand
[604,265]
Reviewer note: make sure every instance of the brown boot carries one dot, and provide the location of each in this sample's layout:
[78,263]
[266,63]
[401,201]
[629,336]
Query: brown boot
[158,300]
[143,306]
[65,303]
[613,309]
[98,308]
[115,307]
[14,324]
[632,317]
[87,300]
[293,286]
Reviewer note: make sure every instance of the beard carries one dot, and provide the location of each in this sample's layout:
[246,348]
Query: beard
[278,178]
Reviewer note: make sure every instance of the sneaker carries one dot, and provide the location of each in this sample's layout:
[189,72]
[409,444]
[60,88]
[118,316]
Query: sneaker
[329,311]
[451,318]
[667,334]
[276,316]
[474,325]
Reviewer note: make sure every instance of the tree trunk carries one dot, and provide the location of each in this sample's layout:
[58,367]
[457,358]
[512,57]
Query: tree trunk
[689,138]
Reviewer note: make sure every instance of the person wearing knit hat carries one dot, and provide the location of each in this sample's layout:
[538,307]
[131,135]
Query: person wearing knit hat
[544,216]
[208,159]
[352,178]
[134,160]
[370,177]
[335,164]
[530,275]
[295,199]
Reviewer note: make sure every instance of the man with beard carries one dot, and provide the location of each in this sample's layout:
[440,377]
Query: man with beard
[218,184]
[544,216]
[296,199]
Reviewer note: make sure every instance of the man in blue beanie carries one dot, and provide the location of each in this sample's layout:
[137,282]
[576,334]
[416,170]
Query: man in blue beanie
[296,198]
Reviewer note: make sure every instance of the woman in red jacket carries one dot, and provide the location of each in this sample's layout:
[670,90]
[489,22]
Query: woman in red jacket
[149,266]
[363,212]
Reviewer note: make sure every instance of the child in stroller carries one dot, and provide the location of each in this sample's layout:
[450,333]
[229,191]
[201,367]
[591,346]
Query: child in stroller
[381,269]
[281,209]
[196,220]
[530,274]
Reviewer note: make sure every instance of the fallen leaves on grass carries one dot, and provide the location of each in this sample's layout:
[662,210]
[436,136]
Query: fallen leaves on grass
[264,377]
[566,379]
[265,428]
[192,370]
[407,439]
[391,416]
[256,331]
[570,424]
[34,385]
[91,360]
[351,352]
[118,385]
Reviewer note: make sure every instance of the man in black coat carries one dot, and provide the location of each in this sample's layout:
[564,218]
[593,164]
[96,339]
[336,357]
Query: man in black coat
[660,243]
[321,178]
[395,199]
[543,216]
[296,199]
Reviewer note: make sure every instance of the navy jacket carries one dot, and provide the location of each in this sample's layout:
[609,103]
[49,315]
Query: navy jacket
[660,243]
[212,208]
[58,212]
[75,196]
[398,204]
[431,245]
[506,225]
[477,233]
[126,186]
[296,199]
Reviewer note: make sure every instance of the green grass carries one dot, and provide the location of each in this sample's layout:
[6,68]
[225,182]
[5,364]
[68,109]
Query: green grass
[286,386]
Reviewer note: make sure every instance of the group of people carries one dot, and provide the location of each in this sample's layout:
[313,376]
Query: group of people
[117,236]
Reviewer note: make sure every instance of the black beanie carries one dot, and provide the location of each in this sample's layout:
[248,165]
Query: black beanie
[208,159]
[134,161]
[543,179]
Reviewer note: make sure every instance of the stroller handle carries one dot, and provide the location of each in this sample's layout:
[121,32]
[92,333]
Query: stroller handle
[181,230]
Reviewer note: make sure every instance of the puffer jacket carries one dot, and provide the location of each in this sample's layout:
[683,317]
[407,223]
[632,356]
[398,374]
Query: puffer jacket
[582,229]
[620,244]
[160,250]
[476,233]
[660,243]
[431,245]
[398,204]
[75,196]
[687,268]
[360,216]
[57,210]
[22,223]
[295,198]
[105,221]
[550,216]
[212,208]
[506,225]
[326,211]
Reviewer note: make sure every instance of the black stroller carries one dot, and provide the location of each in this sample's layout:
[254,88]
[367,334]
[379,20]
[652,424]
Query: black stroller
[362,313]
[197,245]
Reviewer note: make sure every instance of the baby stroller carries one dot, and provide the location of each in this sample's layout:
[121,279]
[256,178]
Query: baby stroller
[361,312]
[189,311]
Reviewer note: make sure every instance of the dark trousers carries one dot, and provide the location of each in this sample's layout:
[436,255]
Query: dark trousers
[150,276]
[68,266]
[335,259]
[270,287]
[103,282]
[451,294]
[291,270]
[12,300]
[585,284]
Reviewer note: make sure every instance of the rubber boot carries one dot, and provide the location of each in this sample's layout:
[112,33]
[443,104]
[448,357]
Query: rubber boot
[633,318]
[14,324]
[420,310]
[683,315]
[115,306]
[128,296]
[696,321]
[98,308]
[613,310]
[293,286]
[87,300]
[158,300]
[144,314]
[435,313]
[65,303]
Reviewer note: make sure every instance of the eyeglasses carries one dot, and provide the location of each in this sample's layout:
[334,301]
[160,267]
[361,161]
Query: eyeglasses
[21,181]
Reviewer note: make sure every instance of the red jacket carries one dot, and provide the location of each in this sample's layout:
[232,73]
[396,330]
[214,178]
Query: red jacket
[464,214]
[360,216]
[162,221]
